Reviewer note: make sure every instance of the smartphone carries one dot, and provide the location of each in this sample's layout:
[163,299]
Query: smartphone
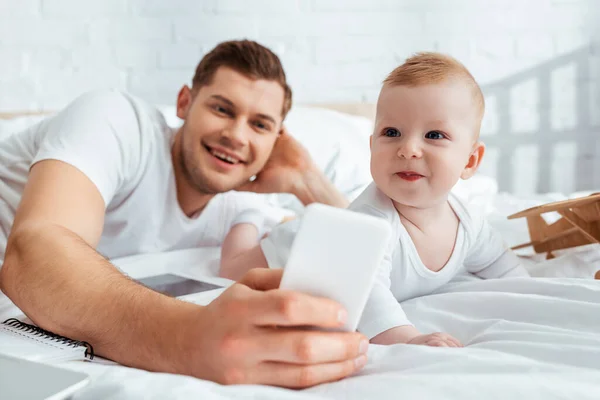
[176,285]
[335,254]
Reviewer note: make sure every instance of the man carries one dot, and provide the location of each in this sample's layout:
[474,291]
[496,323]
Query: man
[107,173]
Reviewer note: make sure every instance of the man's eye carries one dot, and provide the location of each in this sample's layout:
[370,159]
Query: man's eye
[435,135]
[221,110]
[391,132]
[260,125]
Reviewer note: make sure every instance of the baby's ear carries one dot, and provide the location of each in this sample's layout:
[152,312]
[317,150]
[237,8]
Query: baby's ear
[474,160]
[371,142]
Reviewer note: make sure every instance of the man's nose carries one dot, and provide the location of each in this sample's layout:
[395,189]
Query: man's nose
[234,134]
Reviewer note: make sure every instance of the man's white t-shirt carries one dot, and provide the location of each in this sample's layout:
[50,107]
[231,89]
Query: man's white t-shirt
[123,145]
[478,249]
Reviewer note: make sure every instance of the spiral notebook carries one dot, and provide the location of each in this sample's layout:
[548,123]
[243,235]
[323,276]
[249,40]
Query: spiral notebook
[23,340]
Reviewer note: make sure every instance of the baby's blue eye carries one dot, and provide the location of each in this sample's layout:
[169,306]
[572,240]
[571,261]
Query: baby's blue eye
[391,132]
[434,135]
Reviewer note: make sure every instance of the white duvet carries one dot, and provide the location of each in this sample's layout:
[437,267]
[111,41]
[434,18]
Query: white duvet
[525,338]
[536,338]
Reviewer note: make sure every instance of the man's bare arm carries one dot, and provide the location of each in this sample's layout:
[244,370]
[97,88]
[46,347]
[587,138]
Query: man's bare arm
[52,272]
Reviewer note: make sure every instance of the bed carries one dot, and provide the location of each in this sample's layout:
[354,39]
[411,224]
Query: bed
[525,338]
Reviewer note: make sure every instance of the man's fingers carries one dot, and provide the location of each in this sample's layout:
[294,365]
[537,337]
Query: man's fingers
[302,376]
[298,346]
[288,308]
[262,278]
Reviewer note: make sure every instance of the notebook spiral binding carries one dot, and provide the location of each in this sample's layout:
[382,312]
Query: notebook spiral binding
[37,331]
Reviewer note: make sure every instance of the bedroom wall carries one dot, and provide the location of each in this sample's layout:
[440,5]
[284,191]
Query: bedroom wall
[536,61]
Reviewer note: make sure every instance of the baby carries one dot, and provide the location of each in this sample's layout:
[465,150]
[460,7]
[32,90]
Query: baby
[426,138]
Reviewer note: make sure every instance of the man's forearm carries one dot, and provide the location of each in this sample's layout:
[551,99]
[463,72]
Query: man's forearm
[65,286]
[316,188]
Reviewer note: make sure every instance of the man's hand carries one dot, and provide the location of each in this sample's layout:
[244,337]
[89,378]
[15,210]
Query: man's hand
[286,166]
[290,169]
[254,334]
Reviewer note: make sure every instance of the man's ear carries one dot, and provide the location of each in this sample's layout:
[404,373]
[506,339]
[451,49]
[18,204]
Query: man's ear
[184,101]
[474,160]
[371,142]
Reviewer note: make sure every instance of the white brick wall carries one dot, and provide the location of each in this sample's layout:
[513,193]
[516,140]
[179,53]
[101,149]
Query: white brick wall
[333,50]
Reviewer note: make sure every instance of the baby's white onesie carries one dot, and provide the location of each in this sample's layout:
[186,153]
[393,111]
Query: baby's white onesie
[478,249]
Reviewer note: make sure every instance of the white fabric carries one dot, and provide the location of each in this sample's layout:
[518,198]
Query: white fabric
[123,146]
[261,218]
[525,338]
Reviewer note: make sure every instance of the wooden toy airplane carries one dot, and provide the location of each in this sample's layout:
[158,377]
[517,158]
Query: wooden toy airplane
[579,225]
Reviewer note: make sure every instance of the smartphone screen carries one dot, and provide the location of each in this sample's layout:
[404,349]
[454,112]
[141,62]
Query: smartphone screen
[175,285]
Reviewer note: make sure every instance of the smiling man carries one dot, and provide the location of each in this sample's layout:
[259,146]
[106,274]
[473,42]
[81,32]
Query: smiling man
[108,175]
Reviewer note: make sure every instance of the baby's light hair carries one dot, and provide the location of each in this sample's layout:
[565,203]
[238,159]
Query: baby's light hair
[430,68]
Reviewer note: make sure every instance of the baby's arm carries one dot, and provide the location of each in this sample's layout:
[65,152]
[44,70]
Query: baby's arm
[241,252]
[243,249]
[408,334]
[384,321]
[489,257]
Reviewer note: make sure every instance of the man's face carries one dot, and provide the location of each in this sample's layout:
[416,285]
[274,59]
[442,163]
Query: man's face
[230,128]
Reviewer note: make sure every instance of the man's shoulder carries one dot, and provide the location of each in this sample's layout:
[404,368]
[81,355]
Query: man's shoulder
[113,104]
[103,99]
[111,136]
[132,120]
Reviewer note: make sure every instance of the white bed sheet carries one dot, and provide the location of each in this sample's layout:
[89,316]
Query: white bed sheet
[525,338]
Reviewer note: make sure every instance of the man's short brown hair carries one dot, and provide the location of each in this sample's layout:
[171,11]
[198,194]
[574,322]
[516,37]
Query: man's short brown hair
[248,58]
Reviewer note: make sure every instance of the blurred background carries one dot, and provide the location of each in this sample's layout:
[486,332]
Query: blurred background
[537,61]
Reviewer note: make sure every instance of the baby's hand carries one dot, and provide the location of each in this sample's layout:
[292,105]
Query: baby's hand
[438,339]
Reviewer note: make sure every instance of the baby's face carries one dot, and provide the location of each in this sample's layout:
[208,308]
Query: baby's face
[423,140]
